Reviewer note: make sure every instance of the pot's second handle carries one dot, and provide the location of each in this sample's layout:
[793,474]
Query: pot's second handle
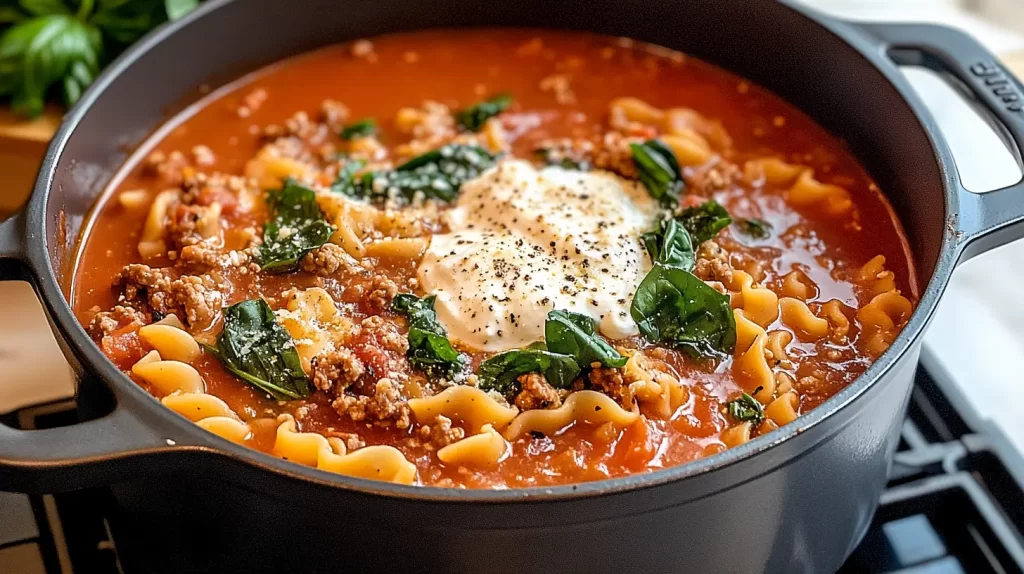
[990,219]
[82,455]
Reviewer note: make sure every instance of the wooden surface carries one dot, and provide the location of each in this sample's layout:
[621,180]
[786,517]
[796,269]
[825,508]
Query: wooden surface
[22,146]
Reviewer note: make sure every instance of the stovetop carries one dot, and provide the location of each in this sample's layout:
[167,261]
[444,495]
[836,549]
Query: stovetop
[954,502]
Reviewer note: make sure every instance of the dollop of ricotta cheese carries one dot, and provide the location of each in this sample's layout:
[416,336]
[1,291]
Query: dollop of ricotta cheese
[523,241]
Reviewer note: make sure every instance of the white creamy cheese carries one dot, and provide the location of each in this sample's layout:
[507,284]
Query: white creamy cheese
[523,242]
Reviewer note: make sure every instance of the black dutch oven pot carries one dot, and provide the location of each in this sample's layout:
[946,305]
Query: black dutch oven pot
[796,500]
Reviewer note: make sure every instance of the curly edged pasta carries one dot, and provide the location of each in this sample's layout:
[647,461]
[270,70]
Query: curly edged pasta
[750,364]
[311,449]
[759,304]
[804,190]
[882,318]
[589,407]
[363,230]
[168,376]
[485,449]
[659,393]
[210,413]
[470,406]
[798,316]
[693,138]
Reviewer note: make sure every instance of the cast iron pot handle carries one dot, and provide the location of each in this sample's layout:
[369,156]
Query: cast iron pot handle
[990,219]
[83,455]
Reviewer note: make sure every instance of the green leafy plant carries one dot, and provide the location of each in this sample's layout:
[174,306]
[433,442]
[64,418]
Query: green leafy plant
[549,156]
[501,371]
[346,183]
[573,334]
[429,347]
[50,46]
[361,129]
[256,349]
[659,171]
[674,307]
[746,408]
[756,228]
[437,174]
[571,345]
[704,221]
[670,244]
[474,117]
[297,228]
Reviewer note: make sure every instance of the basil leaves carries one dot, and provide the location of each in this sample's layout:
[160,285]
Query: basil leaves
[437,174]
[674,307]
[571,344]
[746,408]
[659,171]
[429,347]
[361,129]
[704,221]
[474,117]
[256,349]
[297,228]
[573,334]
[60,45]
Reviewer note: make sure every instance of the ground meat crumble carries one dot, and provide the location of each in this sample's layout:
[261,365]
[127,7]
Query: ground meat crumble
[610,382]
[336,370]
[385,407]
[106,322]
[440,434]
[536,393]
[195,299]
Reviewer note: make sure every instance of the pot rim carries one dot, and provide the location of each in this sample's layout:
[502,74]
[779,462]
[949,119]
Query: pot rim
[134,397]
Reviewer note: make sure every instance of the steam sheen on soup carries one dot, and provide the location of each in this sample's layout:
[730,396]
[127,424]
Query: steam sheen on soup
[493,259]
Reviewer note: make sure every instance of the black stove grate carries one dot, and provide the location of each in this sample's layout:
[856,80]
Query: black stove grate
[954,503]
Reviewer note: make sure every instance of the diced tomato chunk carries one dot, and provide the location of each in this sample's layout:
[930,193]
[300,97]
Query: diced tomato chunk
[226,199]
[124,348]
[635,448]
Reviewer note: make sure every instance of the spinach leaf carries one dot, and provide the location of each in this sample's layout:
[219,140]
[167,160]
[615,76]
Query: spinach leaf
[559,158]
[704,221]
[573,334]
[346,183]
[659,171]
[501,371]
[256,349]
[746,408]
[298,227]
[670,244]
[361,129]
[437,174]
[674,307]
[429,347]
[474,117]
[756,228]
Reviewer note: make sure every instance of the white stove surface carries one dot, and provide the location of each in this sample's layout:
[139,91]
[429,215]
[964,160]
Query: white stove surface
[976,338]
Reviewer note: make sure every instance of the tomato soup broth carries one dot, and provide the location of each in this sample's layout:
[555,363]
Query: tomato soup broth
[493,259]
